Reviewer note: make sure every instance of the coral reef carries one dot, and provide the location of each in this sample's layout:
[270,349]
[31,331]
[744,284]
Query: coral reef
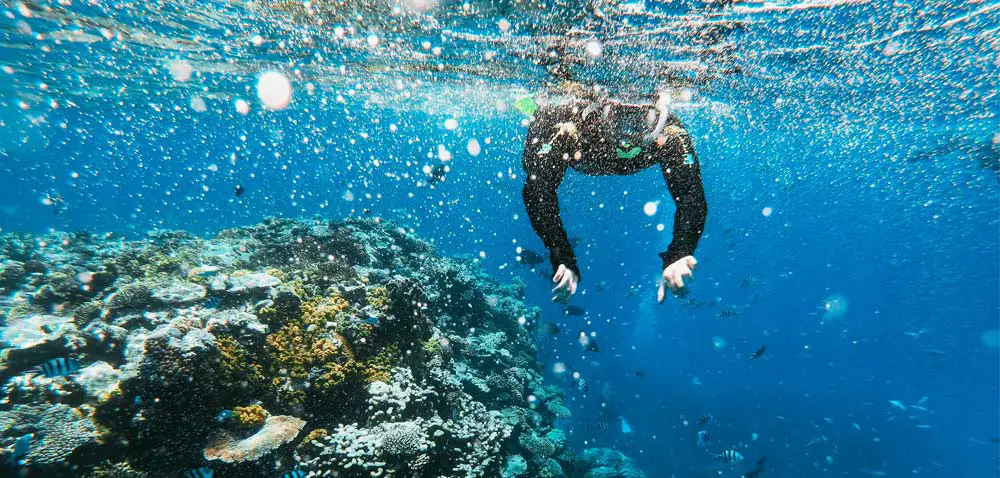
[347,349]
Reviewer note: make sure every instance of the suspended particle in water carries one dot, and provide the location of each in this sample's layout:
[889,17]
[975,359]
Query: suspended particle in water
[718,342]
[503,25]
[650,208]
[242,107]
[180,70]
[274,90]
[473,147]
[443,153]
[372,40]
[558,367]
[257,40]
[834,307]
[766,212]
[594,48]
[348,196]
[659,227]
[198,104]
[451,124]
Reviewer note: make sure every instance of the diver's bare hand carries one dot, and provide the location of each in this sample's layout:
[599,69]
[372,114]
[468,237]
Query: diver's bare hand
[673,276]
[566,281]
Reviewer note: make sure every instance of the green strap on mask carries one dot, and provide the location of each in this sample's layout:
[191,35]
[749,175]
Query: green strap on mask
[526,105]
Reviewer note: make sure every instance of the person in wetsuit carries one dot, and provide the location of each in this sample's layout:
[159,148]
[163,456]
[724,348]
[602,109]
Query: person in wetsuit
[582,129]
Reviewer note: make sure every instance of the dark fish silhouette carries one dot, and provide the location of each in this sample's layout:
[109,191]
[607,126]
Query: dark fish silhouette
[728,313]
[640,374]
[203,472]
[730,457]
[574,310]
[211,302]
[758,353]
[437,174]
[294,474]
[758,470]
[238,191]
[588,343]
[550,329]
[705,420]
[531,258]
[749,281]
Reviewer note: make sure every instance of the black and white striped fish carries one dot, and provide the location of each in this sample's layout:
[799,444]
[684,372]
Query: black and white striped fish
[203,472]
[730,457]
[294,474]
[57,367]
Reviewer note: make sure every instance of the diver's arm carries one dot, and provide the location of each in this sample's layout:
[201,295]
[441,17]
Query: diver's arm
[545,173]
[683,175]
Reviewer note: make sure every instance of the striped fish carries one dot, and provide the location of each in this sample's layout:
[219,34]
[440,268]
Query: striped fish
[57,367]
[730,457]
[211,303]
[294,474]
[581,384]
[203,472]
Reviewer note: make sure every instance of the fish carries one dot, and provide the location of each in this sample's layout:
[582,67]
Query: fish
[223,416]
[294,474]
[757,470]
[640,374]
[758,353]
[703,437]
[203,271]
[749,281]
[529,257]
[238,191]
[57,367]
[550,329]
[21,447]
[601,286]
[897,404]
[588,343]
[626,428]
[730,457]
[371,320]
[437,173]
[580,383]
[203,472]
[705,420]
[211,303]
[574,310]
[601,425]
[728,313]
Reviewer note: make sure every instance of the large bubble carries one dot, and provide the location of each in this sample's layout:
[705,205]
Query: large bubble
[991,338]
[834,307]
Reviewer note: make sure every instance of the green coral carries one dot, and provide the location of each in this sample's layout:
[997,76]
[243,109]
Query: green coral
[433,347]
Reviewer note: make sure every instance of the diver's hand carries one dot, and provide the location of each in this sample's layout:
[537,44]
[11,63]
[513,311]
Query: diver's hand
[673,276]
[566,281]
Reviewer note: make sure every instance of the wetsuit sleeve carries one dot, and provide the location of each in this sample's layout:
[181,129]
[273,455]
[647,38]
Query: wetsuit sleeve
[683,175]
[545,169]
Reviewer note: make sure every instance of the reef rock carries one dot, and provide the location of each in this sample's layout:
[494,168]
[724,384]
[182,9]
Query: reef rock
[277,431]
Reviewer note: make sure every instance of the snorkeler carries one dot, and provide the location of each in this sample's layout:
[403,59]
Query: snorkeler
[582,128]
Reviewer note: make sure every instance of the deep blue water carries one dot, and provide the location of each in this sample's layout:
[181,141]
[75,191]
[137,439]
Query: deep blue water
[872,164]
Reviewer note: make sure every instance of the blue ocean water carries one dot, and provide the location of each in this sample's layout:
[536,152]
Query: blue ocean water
[849,152]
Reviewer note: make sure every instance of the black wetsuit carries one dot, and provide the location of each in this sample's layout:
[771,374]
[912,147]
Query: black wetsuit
[611,140]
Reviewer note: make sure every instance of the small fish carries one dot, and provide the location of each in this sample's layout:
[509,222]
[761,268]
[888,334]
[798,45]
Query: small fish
[294,474]
[371,321]
[21,447]
[601,286]
[728,313]
[749,281]
[601,425]
[574,310]
[529,257]
[754,436]
[437,173]
[758,353]
[238,192]
[897,404]
[211,303]
[550,329]
[626,428]
[203,271]
[705,420]
[640,374]
[57,367]
[703,438]
[203,472]
[581,384]
[223,416]
[730,457]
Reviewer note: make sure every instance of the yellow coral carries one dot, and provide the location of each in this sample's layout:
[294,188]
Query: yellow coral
[379,368]
[250,417]
[315,435]
[378,297]
[236,364]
